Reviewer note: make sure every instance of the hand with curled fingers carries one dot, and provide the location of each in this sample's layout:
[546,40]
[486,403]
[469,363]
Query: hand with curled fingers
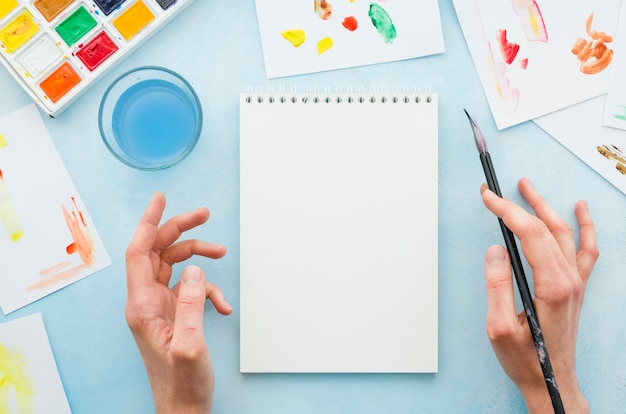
[167,323]
[560,273]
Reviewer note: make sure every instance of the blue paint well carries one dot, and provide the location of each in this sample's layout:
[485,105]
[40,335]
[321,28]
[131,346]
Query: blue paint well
[107,6]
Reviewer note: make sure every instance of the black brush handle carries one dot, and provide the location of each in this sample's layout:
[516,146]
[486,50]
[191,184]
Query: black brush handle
[527,300]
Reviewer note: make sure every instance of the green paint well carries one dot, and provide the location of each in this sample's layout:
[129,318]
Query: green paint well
[382,22]
[77,25]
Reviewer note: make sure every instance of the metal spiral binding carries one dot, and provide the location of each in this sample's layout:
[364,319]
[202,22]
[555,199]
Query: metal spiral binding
[313,95]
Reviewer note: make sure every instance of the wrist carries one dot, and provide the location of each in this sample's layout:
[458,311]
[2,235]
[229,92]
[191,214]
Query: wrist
[538,401]
[176,407]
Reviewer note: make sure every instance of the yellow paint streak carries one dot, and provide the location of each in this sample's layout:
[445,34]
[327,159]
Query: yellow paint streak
[19,31]
[533,22]
[324,45]
[8,214]
[295,36]
[3,141]
[14,375]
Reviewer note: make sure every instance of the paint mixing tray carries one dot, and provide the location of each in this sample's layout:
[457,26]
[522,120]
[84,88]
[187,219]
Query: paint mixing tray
[57,49]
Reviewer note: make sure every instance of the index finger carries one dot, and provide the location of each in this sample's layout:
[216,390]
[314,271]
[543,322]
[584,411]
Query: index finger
[139,249]
[540,248]
[173,228]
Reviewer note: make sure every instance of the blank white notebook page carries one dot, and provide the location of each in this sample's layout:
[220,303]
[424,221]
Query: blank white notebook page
[338,232]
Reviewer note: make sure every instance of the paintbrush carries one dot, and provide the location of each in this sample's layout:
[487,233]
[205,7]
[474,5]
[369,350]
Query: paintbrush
[518,271]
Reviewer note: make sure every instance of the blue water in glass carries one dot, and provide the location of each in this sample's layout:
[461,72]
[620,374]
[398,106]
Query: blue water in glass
[154,122]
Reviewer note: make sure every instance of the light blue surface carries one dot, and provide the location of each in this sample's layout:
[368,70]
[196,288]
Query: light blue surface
[99,364]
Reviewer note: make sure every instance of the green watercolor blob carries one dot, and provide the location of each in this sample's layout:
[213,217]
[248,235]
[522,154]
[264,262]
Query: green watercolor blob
[382,22]
[76,26]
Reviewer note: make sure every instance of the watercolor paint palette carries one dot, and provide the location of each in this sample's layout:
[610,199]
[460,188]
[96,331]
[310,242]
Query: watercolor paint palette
[57,49]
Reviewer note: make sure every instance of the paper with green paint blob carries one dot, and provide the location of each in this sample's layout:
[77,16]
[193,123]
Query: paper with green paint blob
[382,22]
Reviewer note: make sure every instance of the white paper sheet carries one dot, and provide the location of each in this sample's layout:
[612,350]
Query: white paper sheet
[615,110]
[417,27]
[544,74]
[339,229]
[579,128]
[47,239]
[29,379]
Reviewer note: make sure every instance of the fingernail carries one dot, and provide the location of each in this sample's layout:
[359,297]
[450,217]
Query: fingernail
[495,255]
[192,275]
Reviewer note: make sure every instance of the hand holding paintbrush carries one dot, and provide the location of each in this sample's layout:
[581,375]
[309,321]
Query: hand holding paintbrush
[560,273]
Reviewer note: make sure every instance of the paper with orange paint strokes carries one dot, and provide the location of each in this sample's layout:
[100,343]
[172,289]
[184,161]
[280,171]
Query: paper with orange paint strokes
[536,57]
[319,35]
[29,378]
[47,239]
[615,110]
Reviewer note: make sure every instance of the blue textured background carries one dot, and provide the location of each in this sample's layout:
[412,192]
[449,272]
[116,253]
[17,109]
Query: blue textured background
[216,46]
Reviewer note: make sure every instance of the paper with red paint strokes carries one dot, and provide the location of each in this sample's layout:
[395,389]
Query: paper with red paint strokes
[47,239]
[301,37]
[534,57]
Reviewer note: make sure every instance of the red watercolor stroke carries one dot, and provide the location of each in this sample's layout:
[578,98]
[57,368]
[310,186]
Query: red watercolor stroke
[350,23]
[509,50]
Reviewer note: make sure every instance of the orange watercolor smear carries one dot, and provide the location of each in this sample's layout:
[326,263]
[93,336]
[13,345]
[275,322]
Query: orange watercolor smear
[323,9]
[83,244]
[594,55]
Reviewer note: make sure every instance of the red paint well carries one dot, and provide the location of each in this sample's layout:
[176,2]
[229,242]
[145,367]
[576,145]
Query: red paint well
[96,51]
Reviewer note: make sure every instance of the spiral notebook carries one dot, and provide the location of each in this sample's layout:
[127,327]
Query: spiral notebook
[338,232]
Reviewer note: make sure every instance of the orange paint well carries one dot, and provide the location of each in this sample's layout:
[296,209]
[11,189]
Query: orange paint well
[51,8]
[60,82]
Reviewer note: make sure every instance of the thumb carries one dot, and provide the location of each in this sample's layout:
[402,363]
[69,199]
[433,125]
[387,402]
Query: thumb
[501,314]
[188,328]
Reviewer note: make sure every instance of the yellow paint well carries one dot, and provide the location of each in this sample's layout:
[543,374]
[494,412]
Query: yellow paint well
[6,6]
[133,20]
[19,31]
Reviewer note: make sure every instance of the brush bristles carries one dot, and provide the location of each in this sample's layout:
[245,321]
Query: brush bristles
[479,138]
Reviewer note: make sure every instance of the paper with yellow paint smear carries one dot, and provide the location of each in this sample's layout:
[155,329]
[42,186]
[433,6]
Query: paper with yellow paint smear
[60,243]
[29,379]
[311,36]
[522,52]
